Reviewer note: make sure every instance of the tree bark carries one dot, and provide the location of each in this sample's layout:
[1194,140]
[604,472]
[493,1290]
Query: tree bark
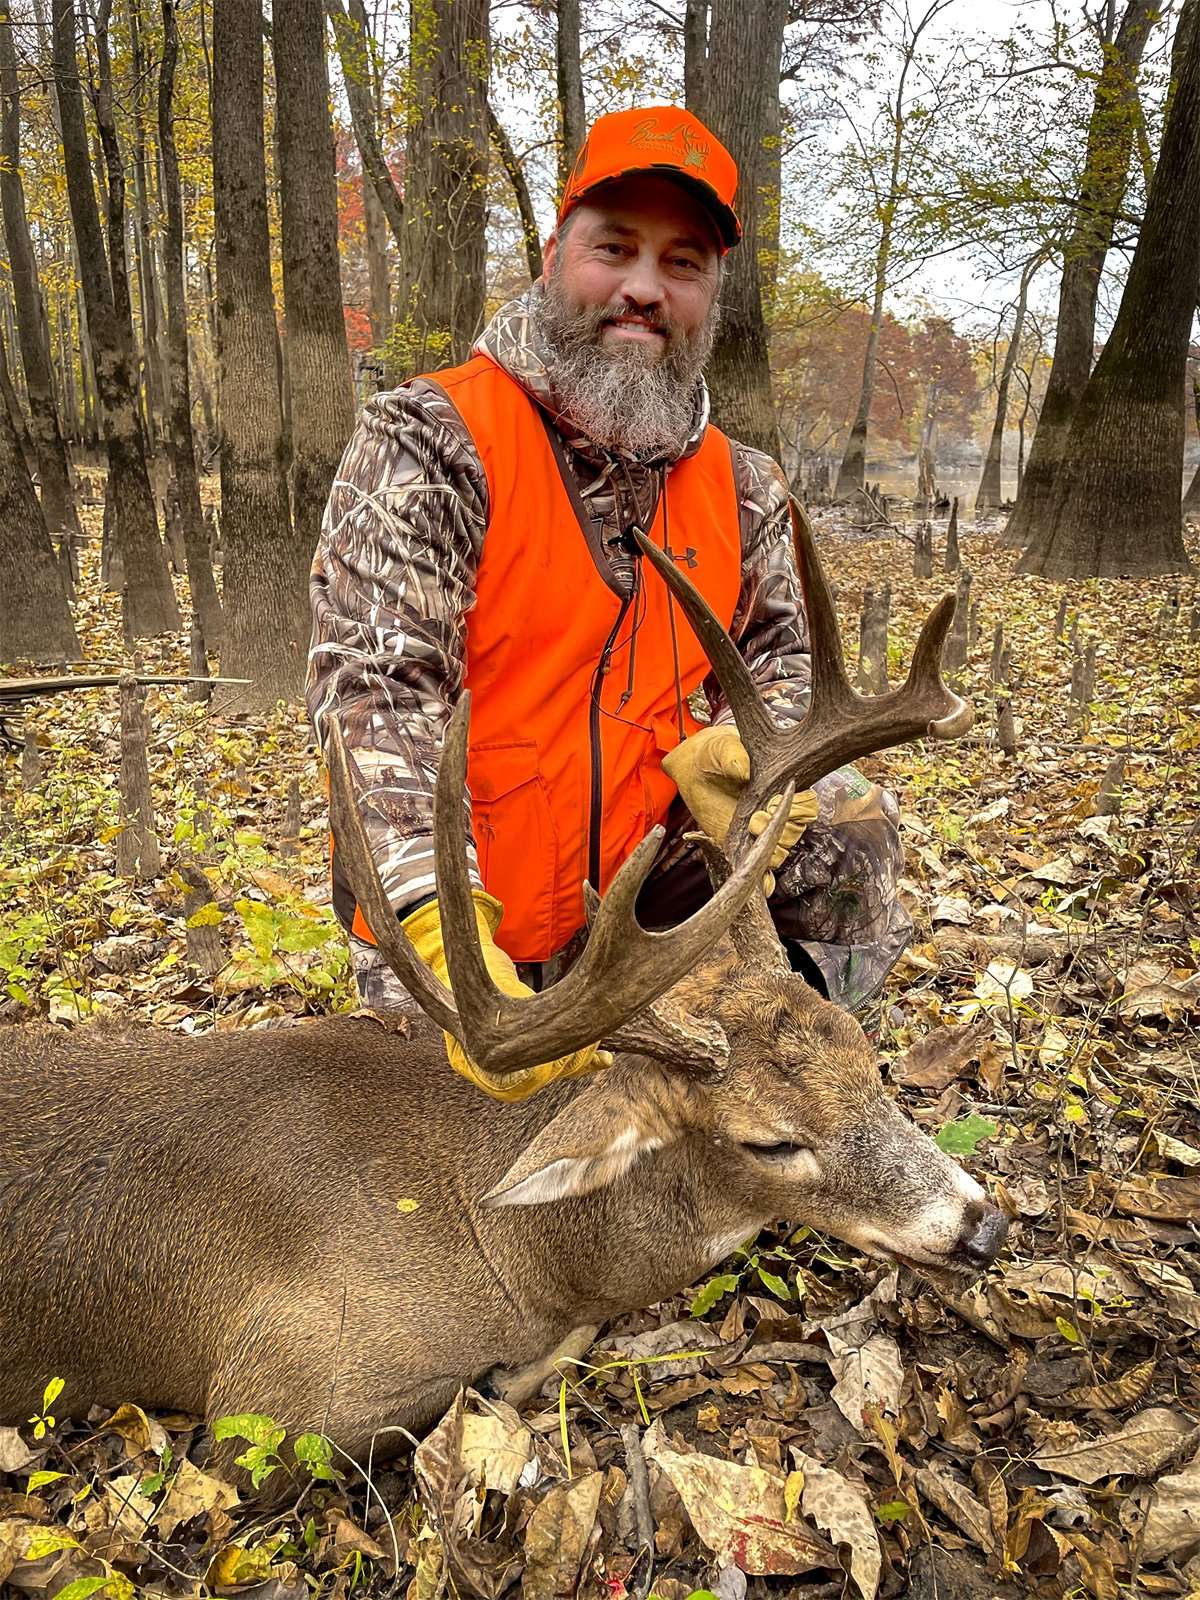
[1115,509]
[148,292]
[529,228]
[151,599]
[1110,138]
[445,202]
[1191,500]
[35,619]
[742,79]
[266,566]
[572,118]
[58,500]
[990,493]
[353,47]
[318,357]
[205,603]
[695,57]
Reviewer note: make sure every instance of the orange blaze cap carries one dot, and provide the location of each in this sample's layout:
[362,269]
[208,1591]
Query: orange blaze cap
[661,139]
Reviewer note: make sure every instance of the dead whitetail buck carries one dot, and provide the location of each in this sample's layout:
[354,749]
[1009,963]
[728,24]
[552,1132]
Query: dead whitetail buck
[327,1224]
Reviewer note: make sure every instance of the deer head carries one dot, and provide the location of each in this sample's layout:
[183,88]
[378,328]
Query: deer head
[726,1057]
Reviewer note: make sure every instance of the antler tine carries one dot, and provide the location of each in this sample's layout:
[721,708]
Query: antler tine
[832,693]
[841,725]
[354,856]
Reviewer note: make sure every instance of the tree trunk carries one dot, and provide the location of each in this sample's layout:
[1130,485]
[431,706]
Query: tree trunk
[353,47]
[148,294]
[266,567]
[1102,188]
[572,118]
[58,500]
[318,359]
[1191,500]
[1115,509]
[991,493]
[379,285]
[151,599]
[695,57]
[742,79]
[445,197]
[205,603]
[35,619]
[12,402]
[529,228]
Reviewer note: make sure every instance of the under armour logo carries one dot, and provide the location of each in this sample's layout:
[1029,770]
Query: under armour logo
[688,558]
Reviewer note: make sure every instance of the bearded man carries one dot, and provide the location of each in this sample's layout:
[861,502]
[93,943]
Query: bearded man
[479,534]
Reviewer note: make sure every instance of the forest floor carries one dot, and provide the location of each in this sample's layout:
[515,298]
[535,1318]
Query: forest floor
[804,1419]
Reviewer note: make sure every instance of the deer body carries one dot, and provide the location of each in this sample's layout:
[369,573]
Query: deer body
[212,1225]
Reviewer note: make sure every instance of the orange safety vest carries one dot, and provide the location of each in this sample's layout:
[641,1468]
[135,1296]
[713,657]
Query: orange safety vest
[577,691]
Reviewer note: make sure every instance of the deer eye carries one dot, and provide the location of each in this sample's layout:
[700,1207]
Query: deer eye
[797,1159]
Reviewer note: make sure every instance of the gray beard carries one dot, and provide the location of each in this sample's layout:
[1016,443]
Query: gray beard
[638,401]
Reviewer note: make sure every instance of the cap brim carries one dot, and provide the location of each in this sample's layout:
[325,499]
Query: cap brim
[725,220]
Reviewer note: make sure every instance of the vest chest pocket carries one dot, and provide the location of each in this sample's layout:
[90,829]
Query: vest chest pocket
[516,841]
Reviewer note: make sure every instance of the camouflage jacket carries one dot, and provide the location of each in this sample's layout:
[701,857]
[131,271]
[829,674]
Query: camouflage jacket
[393,579]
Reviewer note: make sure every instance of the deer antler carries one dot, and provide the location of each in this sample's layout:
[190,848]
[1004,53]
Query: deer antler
[623,968]
[841,724]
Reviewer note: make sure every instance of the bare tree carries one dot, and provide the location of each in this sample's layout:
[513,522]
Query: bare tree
[150,599]
[884,193]
[35,620]
[266,566]
[572,118]
[1110,137]
[58,502]
[1115,508]
[318,361]
[445,202]
[181,442]
[990,492]
[741,96]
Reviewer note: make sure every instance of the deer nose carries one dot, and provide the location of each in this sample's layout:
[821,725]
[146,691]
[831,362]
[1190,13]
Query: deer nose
[984,1232]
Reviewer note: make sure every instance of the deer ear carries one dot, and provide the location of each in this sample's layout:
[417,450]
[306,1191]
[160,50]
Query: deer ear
[596,1138]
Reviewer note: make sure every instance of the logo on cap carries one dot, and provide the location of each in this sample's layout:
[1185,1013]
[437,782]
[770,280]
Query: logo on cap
[695,150]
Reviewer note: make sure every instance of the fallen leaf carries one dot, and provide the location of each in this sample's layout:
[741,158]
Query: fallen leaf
[557,1535]
[137,1430]
[935,1061]
[129,1512]
[1115,1393]
[191,1492]
[837,1506]
[1170,1149]
[1167,1200]
[739,1513]
[951,908]
[1173,1520]
[1001,983]
[955,1501]
[869,1376]
[15,1454]
[350,1539]
[1138,1450]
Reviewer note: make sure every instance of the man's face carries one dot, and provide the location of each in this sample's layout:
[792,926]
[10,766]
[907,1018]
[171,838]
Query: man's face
[644,251]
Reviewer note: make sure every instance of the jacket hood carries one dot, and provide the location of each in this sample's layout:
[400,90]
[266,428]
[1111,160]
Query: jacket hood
[514,341]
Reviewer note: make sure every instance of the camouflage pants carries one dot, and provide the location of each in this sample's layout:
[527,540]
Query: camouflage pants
[835,903]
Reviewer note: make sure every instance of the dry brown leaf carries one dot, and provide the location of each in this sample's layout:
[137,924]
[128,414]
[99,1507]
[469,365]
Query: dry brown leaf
[14,1538]
[989,1481]
[1096,1566]
[935,1061]
[1144,1445]
[1173,1521]
[127,1511]
[740,1513]
[869,1376]
[15,1454]
[1115,1393]
[189,1493]
[835,1505]
[557,1535]
[350,1539]
[139,1432]
[1167,1200]
[955,1501]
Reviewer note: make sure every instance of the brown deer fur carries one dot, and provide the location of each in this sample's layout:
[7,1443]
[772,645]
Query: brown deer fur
[213,1224]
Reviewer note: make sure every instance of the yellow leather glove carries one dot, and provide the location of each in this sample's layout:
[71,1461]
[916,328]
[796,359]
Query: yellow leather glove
[710,770]
[424,930]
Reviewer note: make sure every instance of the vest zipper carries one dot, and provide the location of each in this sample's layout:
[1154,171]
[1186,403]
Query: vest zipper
[596,813]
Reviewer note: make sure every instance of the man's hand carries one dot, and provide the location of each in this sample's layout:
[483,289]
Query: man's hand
[424,930]
[710,771]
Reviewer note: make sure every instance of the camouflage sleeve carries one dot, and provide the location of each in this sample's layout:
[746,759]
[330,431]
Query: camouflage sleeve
[768,622]
[392,581]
